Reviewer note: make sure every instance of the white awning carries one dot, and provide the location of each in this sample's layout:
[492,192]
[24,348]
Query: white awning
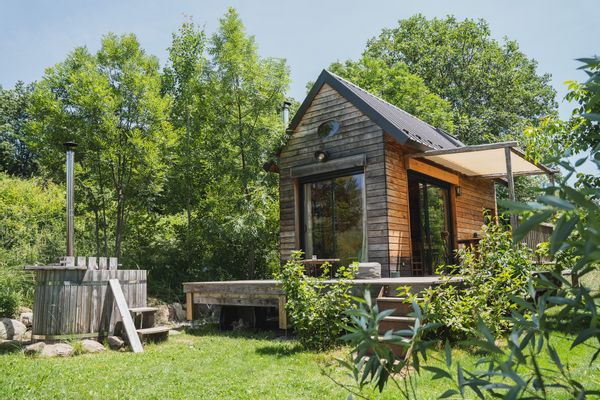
[486,160]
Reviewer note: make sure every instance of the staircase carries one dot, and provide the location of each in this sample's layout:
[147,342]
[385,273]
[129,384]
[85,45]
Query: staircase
[399,320]
[136,334]
[143,318]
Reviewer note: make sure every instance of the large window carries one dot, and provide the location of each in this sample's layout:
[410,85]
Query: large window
[334,218]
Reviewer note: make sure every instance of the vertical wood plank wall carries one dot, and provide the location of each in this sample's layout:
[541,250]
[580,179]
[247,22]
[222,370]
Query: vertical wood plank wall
[357,135]
[476,195]
[78,302]
[397,202]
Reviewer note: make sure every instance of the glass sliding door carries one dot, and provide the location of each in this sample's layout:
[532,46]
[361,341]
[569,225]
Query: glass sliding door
[334,218]
[430,225]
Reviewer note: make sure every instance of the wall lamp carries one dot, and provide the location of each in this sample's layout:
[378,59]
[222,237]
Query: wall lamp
[458,191]
[321,156]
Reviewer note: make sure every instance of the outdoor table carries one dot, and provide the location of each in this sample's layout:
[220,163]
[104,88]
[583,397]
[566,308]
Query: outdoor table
[312,266]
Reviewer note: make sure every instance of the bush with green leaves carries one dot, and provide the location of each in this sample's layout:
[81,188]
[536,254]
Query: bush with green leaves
[372,361]
[492,274]
[31,231]
[316,305]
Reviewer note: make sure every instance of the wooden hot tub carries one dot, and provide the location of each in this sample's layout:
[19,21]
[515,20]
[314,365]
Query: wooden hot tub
[75,302]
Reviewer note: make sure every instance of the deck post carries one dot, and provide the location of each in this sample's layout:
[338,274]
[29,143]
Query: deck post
[283,323]
[511,184]
[189,306]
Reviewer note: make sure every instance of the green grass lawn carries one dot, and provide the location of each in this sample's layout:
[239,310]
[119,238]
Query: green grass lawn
[210,365]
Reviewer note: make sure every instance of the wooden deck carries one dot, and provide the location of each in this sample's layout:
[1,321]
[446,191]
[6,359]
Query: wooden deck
[268,293]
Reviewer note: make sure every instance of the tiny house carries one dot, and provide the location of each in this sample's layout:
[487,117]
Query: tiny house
[363,181]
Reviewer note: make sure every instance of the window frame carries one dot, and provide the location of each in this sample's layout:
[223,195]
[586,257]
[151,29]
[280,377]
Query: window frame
[330,176]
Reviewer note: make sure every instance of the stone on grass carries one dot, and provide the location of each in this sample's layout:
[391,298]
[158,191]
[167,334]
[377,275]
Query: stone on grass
[161,316]
[91,346]
[115,342]
[34,348]
[177,313]
[26,319]
[11,329]
[57,350]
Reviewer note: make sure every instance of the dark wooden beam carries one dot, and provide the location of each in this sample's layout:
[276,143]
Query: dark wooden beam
[511,184]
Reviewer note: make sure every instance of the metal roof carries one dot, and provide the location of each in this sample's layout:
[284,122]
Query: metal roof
[404,127]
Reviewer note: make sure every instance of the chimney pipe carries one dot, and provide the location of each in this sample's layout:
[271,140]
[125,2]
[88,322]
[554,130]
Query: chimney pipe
[70,146]
[286,113]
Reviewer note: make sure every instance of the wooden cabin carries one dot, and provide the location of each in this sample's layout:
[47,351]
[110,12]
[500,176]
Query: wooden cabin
[362,180]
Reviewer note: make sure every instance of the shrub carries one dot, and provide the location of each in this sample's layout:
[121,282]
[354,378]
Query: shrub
[316,307]
[492,274]
[31,231]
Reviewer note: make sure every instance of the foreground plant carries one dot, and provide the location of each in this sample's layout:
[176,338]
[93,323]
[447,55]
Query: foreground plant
[516,372]
[493,274]
[316,305]
[372,362]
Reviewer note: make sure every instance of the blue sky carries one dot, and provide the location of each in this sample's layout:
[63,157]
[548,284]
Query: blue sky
[310,34]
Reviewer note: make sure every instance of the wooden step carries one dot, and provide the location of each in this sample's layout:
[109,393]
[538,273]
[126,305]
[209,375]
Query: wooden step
[155,333]
[153,330]
[397,349]
[401,309]
[140,310]
[395,324]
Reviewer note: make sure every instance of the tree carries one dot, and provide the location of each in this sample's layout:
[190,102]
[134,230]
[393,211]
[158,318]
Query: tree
[185,80]
[395,84]
[242,199]
[110,104]
[493,88]
[16,158]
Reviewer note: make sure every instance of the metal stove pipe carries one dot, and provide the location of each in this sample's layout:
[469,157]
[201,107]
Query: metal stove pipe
[70,146]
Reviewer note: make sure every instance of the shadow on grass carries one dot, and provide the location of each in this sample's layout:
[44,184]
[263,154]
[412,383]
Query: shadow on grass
[10,346]
[213,330]
[280,346]
[280,349]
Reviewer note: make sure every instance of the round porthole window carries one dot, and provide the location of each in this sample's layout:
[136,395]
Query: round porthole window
[328,128]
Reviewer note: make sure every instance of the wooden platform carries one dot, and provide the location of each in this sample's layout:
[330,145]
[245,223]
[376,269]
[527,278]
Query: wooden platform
[268,293]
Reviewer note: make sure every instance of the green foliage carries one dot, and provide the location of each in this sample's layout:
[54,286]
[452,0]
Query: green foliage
[31,231]
[169,163]
[493,88]
[316,307]
[373,363]
[517,371]
[16,158]
[492,275]
[397,85]
[110,104]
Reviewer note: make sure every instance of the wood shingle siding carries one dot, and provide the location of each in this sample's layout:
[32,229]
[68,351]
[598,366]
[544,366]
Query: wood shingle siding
[358,135]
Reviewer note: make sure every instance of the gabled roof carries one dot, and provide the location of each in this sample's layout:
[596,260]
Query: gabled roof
[404,127]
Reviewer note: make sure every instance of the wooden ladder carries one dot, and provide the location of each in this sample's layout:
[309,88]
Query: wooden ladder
[130,330]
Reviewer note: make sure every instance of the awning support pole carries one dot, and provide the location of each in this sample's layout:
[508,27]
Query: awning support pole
[511,184]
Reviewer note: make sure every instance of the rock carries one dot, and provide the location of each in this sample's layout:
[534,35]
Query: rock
[34,348]
[22,310]
[177,313]
[161,316]
[26,337]
[368,270]
[26,319]
[11,329]
[91,346]
[173,332]
[57,350]
[115,342]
